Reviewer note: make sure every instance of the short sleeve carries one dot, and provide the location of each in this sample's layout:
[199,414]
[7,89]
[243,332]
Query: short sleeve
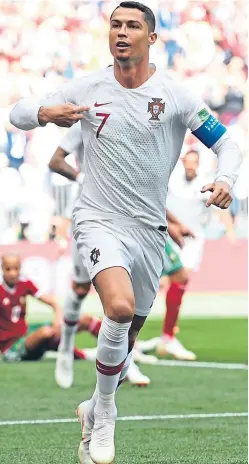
[193,111]
[196,116]
[32,289]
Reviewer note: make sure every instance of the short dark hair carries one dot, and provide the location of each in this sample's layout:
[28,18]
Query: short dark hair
[149,16]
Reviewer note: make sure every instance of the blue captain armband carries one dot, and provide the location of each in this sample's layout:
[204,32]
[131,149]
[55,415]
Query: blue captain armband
[210,132]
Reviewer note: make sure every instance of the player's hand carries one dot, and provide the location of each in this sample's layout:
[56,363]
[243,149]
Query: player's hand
[62,115]
[221,194]
[175,233]
[186,232]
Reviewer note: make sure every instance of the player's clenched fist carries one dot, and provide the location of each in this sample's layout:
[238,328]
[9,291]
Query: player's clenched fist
[221,194]
[62,115]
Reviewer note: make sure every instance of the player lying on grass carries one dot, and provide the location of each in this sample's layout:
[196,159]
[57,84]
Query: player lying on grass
[13,293]
[17,340]
[137,119]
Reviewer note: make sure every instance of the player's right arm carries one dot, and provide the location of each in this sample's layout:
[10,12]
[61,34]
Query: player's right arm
[59,108]
[71,142]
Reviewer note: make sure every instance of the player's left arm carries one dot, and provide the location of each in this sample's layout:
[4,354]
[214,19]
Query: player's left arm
[50,300]
[71,142]
[211,132]
[177,230]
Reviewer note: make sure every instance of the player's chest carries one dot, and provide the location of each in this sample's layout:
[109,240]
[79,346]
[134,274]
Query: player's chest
[115,112]
[13,304]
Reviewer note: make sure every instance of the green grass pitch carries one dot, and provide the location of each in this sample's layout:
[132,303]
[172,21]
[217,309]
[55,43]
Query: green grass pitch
[28,392]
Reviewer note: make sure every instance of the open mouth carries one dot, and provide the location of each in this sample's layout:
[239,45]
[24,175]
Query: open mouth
[121,44]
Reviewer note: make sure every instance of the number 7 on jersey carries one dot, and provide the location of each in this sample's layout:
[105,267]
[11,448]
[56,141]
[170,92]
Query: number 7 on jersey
[105,116]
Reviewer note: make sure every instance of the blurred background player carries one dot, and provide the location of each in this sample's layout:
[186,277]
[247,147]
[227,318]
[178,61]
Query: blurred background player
[189,204]
[72,142]
[177,284]
[177,280]
[13,293]
[20,340]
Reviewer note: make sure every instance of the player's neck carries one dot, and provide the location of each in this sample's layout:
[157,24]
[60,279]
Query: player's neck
[133,75]
[8,286]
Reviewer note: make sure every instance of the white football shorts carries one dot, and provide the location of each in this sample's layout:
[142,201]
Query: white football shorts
[192,252]
[80,273]
[103,244]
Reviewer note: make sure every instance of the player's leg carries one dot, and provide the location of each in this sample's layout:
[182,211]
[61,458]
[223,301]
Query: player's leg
[178,280]
[130,370]
[32,346]
[108,262]
[72,306]
[89,324]
[37,343]
[115,290]
[73,301]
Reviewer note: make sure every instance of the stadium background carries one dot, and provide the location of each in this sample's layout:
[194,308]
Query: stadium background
[45,43]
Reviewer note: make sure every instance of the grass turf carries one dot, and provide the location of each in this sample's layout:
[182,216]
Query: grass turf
[28,392]
[220,340]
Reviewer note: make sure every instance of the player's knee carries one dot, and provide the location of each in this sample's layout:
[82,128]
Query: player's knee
[181,276]
[120,310]
[81,289]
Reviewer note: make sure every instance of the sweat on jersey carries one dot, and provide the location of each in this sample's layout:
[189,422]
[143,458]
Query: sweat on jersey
[134,141]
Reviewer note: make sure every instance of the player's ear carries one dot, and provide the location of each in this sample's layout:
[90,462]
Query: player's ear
[152,38]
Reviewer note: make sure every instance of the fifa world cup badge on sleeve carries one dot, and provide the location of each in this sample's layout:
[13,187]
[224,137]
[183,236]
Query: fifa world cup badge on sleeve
[211,130]
[203,115]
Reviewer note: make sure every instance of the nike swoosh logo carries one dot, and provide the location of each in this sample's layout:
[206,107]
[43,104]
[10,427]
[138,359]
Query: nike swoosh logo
[101,104]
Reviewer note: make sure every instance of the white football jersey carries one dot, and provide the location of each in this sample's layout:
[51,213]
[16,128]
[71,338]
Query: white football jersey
[75,141]
[135,139]
[186,201]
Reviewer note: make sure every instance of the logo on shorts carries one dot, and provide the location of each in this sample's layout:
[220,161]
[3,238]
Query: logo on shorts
[155,108]
[94,256]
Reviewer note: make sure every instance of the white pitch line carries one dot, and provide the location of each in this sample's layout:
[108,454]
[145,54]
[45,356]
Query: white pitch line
[130,418]
[205,365]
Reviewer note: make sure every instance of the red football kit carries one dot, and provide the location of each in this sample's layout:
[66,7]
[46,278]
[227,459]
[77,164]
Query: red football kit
[13,311]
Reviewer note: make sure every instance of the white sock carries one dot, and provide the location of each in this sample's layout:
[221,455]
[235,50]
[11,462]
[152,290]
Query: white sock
[70,324]
[111,355]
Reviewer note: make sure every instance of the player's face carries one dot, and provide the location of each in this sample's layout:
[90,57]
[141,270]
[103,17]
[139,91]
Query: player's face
[129,36]
[191,163]
[11,267]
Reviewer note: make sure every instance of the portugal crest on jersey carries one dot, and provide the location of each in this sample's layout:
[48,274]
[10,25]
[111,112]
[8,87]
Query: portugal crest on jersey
[155,108]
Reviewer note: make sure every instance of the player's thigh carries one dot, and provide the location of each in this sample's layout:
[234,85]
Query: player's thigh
[172,261]
[80,273]
[115,290]
[107,256]
[192,252]
[147,270]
